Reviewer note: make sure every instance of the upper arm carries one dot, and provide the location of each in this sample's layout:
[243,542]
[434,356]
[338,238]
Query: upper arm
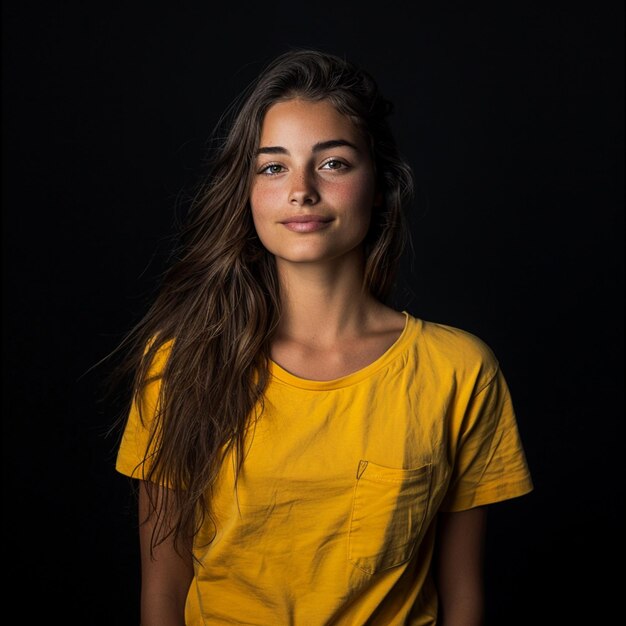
[165,574]
[459,566]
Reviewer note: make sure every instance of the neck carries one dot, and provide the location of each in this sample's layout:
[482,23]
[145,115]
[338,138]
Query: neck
[322,302]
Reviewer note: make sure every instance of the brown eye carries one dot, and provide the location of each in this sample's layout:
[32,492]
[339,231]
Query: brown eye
[334,164]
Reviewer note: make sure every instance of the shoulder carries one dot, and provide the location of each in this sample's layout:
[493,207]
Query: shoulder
[455,351]
[456,343]
[157,353]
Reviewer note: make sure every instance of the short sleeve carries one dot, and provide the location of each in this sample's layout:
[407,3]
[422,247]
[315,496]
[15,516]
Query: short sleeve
[137,441]
[489,461]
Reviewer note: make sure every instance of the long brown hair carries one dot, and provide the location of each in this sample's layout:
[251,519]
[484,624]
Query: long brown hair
[219,301]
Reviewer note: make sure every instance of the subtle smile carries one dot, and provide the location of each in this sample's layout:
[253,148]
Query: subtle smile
[306,223]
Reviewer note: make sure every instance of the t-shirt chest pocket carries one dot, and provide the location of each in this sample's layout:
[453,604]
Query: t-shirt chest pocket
[388,511]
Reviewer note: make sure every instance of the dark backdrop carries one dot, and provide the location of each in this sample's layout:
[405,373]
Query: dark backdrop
[512,117]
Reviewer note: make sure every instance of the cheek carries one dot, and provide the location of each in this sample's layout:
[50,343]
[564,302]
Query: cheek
[359,189]
[261,203]
[358,198]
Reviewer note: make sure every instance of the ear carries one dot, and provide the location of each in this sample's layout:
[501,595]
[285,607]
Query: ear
[378,199]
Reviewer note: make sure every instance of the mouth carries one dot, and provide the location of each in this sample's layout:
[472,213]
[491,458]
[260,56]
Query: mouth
[299,219]
[306,223]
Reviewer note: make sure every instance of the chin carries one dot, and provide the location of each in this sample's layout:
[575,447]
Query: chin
[315,254]
[336,256]
[303,258]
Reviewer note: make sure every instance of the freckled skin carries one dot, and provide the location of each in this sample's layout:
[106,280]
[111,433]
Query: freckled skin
[336,183]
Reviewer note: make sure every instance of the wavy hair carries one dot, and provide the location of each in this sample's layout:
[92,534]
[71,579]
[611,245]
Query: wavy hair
[218,304]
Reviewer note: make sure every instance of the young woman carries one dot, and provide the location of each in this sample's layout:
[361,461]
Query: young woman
[306,454]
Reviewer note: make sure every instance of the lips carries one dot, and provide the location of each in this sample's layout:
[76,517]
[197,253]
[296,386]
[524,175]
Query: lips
[299,219]
[306,223]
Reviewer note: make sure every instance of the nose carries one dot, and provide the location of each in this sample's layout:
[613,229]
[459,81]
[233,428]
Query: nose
[303,190]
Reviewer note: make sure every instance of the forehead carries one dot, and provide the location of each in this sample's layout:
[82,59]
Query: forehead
[302,121]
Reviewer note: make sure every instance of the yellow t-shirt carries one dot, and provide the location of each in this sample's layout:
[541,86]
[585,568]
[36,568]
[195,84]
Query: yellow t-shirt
[333,520]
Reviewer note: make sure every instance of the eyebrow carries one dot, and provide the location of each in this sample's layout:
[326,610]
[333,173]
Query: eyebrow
[318,147]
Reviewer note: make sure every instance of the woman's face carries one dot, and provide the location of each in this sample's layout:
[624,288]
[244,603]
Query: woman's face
[314,186]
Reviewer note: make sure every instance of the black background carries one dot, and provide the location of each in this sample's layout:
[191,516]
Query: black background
[512,117]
